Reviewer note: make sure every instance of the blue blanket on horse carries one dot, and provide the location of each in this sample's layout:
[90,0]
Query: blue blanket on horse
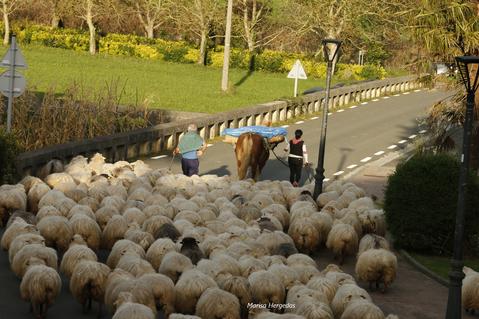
[267,132]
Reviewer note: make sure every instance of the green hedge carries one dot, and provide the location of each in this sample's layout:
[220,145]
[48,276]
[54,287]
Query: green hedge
[182,52]
[421,202]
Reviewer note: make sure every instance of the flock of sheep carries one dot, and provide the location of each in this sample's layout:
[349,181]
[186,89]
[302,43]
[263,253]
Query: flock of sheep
[199,247]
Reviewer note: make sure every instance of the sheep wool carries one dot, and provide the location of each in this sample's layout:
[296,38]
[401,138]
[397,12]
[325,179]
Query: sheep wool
[114,230]
[238,286]
[216,303]
[300,259]
[28,217]
[266,288]
[315,310]
[12,197]
[88,229]
[304,234]
[57,232]
[35,193]
[22,259]
[470,289]
[346,294]
[371,241]
[131,310]
[75,254]
[174,264]
[158,250]
[377,266]
[18,227]
[191,284]
[342,240]
[360,308]
[325,286]
[289,277]
[163,290]
[140,237]
[21,241]
[135,265]
[121,248]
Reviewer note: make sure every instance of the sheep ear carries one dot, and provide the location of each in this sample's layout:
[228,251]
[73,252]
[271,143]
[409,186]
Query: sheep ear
[348,298]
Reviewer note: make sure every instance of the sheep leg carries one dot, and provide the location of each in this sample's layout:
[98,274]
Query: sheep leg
[85,307]
[89,303]
[100,307]
[384,288]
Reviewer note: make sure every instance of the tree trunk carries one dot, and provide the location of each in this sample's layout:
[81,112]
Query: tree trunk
[6,21]
[150,31]
[226,58]
[91,26]
[55,20]
[204,38]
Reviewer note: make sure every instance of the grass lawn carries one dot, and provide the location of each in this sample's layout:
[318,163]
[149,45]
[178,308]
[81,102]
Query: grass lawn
[441,265]
[184,87]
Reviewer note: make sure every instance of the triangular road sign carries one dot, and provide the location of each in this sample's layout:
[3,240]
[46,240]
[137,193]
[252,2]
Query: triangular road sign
[19,59]
[297,72]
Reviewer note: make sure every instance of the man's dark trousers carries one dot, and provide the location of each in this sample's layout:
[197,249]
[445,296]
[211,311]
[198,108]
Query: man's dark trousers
[190,166]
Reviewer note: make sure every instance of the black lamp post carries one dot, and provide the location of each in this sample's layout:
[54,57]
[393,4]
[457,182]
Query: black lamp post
[330,49]
[454,309]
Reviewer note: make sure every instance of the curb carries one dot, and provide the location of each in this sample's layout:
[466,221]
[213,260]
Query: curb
[413,262]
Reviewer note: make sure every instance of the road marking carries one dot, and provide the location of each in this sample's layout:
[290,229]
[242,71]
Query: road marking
[397,95]
[406,93]
[392,147]
[422,132]
[209,145]
[386,97]
[402,141]
[353,107]
[364,103]
[352,166]
[375,100]
[339,111]
[418,90]
[285,126]
[326,180]
[299,122]
[412,136]
[338,173]
[366,159]
[158,157]
[330,113]
[315,118]
[379,153]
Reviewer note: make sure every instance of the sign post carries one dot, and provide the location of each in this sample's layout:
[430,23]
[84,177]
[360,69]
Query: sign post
[297,72]
[12,84]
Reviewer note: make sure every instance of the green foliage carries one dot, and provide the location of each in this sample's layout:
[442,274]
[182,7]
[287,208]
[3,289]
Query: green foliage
[8,151]
[421,202]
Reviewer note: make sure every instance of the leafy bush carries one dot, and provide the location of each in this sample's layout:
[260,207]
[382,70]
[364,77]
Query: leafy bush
[421,202]
[8,152]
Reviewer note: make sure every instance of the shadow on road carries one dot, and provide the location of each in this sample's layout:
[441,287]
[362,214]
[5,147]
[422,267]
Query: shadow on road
[220,171]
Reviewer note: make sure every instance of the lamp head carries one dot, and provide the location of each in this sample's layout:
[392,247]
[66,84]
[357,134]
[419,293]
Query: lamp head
[464,64]
[330,49]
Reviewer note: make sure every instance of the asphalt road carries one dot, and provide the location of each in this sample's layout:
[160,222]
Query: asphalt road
[353,135]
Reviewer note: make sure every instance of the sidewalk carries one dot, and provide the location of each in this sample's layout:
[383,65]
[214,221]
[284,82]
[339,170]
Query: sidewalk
[413,295]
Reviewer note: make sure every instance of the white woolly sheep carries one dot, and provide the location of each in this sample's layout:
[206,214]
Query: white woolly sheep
[278,211]
[47,211]
[325,197]
[153,224]
[342,240]
[351,218]
[377,266]
[271,260]
[373,221]
[305,273]
[346,198]
[135,265]
[182,316]
[300,259]
[371,241]
[163,290]
[238,286]
[29,181]
[315,310]
[142,238]
[332,209]
[134,215]
[301,294]
[22,240]
[323,223]
[114,279]
[216,303]
[249,265]
[18,227]
[271,241]
[360,308]
[127,309]
[35,193]
[87,283]
[21,259]
[81,210]
[40,286]
[266,287]
[90,201]
[88,229]
[363,202]
[57,232]
[346,294]
[121,248]
[304,234]
[174,264]
[104,214]
[289,277]
[58,178]
[12,197]
[158,250]
[191,284]
[228,263]
[76,253]
[141,293]
[470,294]
[325,286]
[114,230]
[113,201]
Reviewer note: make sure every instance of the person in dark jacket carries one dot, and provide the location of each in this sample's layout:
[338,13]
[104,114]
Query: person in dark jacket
[297,157]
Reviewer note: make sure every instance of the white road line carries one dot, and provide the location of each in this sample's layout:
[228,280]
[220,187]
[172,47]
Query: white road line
[379,153]
[406,93]
[364,103]
[285,126]
[422,132]
[386,97]
[209,145]
[375,100]
[326,180]
[158,157]
[402,141]
[315,118]
[352,166]
[339,111]
[397,95]
[353,107]
[299,122]
[330,113]
[338,173]
[366,159]
[412,136]
[392,147]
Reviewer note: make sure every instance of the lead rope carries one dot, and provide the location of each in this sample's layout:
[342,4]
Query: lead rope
[268,146]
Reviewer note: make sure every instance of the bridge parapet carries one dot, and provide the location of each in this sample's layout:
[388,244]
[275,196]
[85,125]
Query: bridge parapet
[163,137]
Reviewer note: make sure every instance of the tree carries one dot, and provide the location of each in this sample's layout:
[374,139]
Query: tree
[151,13]
[7,8]
[57,9]
[226,58]
[198,16]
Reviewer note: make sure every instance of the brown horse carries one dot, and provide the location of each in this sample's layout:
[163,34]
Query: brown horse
[251,151]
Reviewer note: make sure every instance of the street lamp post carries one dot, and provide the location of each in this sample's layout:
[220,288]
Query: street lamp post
[331,49]
[454,309]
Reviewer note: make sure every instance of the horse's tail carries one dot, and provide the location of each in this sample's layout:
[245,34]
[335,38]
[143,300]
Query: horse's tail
[243,151]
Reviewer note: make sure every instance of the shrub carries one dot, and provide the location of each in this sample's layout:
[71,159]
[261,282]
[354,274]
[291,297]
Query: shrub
[8,152]
[421,201]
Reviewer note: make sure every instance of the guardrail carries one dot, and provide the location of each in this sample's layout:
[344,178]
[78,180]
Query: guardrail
[155,139]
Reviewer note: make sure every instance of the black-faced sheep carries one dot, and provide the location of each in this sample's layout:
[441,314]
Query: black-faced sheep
[189,248]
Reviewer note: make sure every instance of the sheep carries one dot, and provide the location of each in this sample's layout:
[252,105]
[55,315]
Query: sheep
[135,265]
[22,240]
[332,209]
[249,265]
[50,198]
[271,260]
[87,283]
[228,264]
[121,248]
[351,218]
[325,197]
[127,309]
[138,236]
[77,252]
[470,295]
[373,221]
[342,240]
[38,251]
[174,264]
[285,249]
[363,202]
[238,286]
[206,214]
[40,286]
[57,232]
[104,214]
[92,202]
[323,223]
[18,227]
[269,223]
[249,212]
[272,240]
[315,310]
[305,273]
[47,210]
[29,181]
[238,249]
[35,193]
[278,211]
[359,308]
[134,215]
[216,303]
[26,216]
[189,248]
[371,241]
[77,193]
[154,223]
[300,259]
[81,210]
[163,290]
[377,266]
[12,197]
[141,293]
[344,295]
[113,201]
[158,250]
[346,198]
[114,230]
[300,294]
[191,284]
[88,229]
[182,316]
[266,287]
[304,234]
[114,279]
[168,231]
[261,200]
[325,286]
[289,277]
